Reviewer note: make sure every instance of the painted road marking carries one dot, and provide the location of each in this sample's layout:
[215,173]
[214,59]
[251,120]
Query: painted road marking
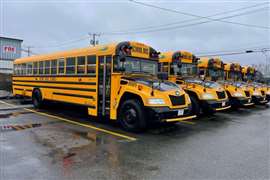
[76,123]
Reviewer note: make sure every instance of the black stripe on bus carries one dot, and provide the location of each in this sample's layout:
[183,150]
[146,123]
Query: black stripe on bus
[89,106]
[55,87]
[74,95]
[20,89]
[56,82]
[67,75]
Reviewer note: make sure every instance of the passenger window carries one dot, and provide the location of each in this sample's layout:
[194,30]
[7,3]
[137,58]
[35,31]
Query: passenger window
[54,67]
[91,64]
[41,67]
[61,66]
[15,69]
[81,65]
[70,65]
[29,68]
[47,67]
[35,69]
[24,69]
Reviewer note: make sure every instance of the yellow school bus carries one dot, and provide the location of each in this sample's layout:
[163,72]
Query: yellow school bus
[206,96]
[215,69]
[118,81]
[258,91]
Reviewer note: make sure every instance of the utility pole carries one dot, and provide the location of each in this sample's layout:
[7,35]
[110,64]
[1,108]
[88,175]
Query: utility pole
[28,50]
[93,37]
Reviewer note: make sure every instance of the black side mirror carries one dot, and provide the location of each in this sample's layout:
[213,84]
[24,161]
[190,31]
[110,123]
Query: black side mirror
[162,76]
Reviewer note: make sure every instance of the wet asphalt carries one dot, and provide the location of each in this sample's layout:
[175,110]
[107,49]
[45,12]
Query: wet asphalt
[228,145]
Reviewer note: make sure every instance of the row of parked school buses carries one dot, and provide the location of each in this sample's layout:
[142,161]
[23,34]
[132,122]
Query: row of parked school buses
[134,84]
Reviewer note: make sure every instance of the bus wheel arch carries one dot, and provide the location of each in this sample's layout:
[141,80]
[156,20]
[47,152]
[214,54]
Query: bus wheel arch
[37,98]
[130,112]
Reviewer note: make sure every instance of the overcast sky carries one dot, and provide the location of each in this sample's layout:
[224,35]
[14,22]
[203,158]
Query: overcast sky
[45,25]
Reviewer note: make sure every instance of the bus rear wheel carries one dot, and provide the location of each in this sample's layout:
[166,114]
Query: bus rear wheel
[132,117]
[37,98]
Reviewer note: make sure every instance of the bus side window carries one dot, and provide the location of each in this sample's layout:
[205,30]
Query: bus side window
[81,65]
[23,69]
[61,66]
[15,69]
[35,69]
[54,67]
[91,64]
[70,65]
[29,68]
[41,67]
[47,67]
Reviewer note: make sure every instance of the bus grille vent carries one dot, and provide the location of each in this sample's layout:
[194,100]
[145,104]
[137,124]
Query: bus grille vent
[221,95]
[177,100]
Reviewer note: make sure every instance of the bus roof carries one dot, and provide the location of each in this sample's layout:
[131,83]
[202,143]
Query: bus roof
[184,56]
[233,67]
[102,49]
[207,62]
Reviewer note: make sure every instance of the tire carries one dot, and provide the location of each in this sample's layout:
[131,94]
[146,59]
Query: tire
[195,109]
[132,116]
[37,99]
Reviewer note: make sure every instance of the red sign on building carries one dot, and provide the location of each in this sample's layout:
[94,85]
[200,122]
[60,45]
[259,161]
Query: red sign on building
[9,49]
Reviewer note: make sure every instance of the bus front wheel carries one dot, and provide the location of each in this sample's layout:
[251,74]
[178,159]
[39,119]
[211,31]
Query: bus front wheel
[37,98]
[132,116]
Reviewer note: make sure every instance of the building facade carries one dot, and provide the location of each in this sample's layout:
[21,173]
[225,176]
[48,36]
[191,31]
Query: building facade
[10,49]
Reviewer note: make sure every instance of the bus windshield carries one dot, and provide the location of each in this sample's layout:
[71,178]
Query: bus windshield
[133,64]
[233,75]
[184,70]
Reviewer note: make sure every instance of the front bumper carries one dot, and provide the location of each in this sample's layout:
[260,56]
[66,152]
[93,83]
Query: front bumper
[241,102]
[259,100]
[215,105]
[166,114]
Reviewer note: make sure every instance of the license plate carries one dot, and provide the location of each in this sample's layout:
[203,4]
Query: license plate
[223,104]
[180,112]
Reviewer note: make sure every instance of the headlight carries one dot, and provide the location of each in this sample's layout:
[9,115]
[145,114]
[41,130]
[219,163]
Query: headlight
[156,101]
[208,96]
[238,94]
[256,93]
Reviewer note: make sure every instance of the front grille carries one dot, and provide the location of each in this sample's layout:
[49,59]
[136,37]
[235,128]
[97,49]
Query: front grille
[221,95]
[263,93]
[177,100]
[247,93]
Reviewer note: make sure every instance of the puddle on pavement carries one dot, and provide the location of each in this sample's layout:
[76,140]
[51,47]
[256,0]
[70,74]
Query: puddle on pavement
[13,114]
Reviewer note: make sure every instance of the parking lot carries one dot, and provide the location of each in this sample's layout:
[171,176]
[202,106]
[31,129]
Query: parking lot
[62,142]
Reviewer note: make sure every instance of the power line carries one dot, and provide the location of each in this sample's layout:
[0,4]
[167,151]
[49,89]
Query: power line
[196,19]
[236,53]
[183,26]
[198,16]
[240,49]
